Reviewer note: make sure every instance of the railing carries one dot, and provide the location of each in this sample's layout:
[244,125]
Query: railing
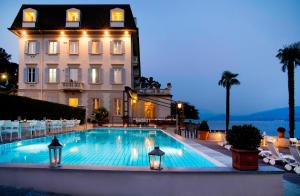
[154,91]
[72,85]
[72,24]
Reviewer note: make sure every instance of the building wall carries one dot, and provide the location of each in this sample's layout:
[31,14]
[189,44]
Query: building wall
[54,92]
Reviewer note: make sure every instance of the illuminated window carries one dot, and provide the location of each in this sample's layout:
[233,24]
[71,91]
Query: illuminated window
[117,15]
[94,75]
[32,47]
[52,75]
[117,106]
[29,15]
[117,47]
[73,15]
[73,47]
[149,110]
[96,103]
[95,47]
[53,47]
[73,102]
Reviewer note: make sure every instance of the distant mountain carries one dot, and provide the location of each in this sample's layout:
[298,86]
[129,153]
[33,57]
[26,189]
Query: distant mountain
[268,115]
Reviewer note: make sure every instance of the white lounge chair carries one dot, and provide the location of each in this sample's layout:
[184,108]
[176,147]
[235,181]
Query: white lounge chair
[276,155]
[10,127]
[224,142]
[296,155]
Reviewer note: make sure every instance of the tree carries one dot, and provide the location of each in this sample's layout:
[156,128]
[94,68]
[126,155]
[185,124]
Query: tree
[190,111]
[227,80]
[289,57]
[149,83]
[9,69]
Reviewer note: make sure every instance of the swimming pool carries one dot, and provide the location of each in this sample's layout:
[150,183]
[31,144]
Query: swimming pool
[106,147]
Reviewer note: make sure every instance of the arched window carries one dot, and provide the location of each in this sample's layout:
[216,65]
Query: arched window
[117,17]
[72,17]
[29,17]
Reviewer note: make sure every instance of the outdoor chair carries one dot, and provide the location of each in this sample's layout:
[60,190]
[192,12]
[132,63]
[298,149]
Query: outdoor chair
[10,127]
[275,155]
[296,155]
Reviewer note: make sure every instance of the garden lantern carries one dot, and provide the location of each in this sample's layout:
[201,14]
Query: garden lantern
[155,158]
[55,149]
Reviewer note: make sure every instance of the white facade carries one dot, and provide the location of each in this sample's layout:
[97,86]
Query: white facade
[80,66]
[42,88]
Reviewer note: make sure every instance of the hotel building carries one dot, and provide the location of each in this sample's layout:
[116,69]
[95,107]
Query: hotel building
[84,55]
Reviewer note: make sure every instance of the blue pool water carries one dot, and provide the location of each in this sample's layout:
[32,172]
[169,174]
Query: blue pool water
[106,147]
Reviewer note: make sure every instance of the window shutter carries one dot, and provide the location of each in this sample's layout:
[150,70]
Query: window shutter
[100,76]
[112,81]
[100,47]
[47,47]
[25,74]
[111,47]
[57,75]
[37,75]
[90,47]
[67,74]
[123,47]
[123,76]
[37,49]
[58,47]
[90,76]
[79,74]
[26,47]
[46,75]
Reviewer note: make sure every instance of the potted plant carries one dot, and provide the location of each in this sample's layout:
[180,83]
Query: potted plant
[203,130]
[245,140]
[101,116]
[280,132]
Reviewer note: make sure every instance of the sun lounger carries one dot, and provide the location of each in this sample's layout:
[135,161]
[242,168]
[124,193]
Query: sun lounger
[276,156]
[296,155]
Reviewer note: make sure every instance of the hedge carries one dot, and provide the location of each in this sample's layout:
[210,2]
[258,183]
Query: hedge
[12,107]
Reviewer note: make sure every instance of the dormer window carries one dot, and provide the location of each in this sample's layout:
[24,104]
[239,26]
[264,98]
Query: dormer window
[73,18]
[29,17]
[117,17]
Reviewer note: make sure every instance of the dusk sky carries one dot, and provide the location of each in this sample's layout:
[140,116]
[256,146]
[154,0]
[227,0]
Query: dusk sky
[190,44]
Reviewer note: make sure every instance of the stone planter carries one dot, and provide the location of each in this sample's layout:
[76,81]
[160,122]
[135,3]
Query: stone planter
[244,159]
[203,135]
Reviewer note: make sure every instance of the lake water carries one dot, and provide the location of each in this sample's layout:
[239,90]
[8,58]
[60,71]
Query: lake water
[270,127]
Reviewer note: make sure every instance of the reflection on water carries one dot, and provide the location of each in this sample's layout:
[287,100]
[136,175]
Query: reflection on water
[105,147]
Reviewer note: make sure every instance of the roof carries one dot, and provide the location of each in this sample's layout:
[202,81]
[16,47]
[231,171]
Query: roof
[93,16]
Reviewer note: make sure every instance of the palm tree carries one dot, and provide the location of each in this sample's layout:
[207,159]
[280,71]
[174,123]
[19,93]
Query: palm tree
[289,57]
[227,80]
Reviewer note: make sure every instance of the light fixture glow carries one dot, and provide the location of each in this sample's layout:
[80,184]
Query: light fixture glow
[23,33]
[84,32]
[62,32]
[106,33]
[126,33]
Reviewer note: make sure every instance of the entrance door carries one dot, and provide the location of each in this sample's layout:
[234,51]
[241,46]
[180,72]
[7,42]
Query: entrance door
[149,110]
[73,102]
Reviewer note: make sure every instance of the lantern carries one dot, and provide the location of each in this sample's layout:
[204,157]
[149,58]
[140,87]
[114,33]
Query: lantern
[155,158]
[55,149]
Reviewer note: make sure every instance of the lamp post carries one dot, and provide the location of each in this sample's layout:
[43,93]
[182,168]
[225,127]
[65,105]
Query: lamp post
[155,158]
[55,149]
[179,108]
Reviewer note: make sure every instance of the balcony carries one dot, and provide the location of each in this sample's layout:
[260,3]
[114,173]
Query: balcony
[154,91]
[72,24]
[72,86]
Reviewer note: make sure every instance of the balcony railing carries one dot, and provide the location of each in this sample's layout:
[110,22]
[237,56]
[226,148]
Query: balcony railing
[72,86]
[154,91]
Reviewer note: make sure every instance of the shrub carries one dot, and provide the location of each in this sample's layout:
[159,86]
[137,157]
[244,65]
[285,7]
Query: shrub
[244,137]
[204,126]
[101,114]
[281,129]
[14,106]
